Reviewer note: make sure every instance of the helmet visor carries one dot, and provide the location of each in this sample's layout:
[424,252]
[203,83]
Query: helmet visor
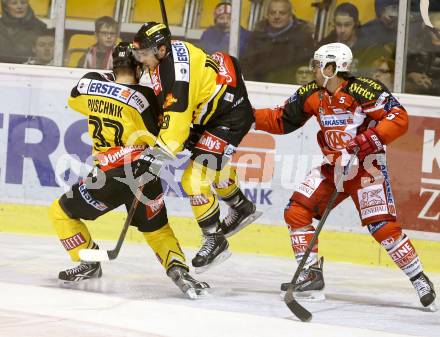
[140,54]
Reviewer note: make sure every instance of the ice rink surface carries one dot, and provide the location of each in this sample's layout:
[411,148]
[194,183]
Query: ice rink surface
[135,298]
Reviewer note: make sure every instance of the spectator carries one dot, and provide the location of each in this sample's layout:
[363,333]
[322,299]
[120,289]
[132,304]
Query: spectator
[383,29]
[423,62]
[19,29]
[303,75]
[278,45]
[216,38]
[348,30]
[99,56]
[43,48]
[383,71]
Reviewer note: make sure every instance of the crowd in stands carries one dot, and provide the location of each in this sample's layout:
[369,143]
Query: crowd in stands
[278,49]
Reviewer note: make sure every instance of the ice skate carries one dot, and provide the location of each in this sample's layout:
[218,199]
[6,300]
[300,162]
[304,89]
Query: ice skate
[240,215]
[425,290]
[84,271]
[310,283]
[192,288]
[214,251]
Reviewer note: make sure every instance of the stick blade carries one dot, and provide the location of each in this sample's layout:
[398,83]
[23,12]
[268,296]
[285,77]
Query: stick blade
[297,309]
[93,255]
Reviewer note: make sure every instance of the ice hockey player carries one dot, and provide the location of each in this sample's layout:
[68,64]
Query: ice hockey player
[209,93]
[123,120]
[353,112]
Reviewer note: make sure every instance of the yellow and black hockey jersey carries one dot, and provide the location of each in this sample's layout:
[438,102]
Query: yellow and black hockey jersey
[122,119]
[192,88]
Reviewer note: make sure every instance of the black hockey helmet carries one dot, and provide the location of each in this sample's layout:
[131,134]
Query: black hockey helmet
[123,56]
[152,35]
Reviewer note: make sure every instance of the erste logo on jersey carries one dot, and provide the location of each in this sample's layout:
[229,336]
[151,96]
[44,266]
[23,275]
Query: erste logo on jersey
[181,61]
[113,90]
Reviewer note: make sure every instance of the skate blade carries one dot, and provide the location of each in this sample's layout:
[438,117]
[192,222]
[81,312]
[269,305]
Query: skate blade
[433,307]
[194,294]
[308,296]
[219,259]
[247,221]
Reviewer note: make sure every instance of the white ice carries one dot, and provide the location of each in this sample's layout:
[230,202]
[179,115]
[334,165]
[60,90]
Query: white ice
[135,298]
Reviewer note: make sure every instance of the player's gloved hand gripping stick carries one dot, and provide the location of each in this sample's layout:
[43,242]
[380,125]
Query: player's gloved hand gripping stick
[97,255]
[297,309]
[148,167]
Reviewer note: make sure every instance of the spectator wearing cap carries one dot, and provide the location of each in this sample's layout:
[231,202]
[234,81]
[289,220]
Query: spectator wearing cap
[43,48]
[19,28]
[279,44]
[99,56]
[383,29]
[348,30]
[216,38]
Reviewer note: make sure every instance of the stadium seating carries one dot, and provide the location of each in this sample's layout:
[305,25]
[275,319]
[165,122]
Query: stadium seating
[89,10]
[78,45]
[149,10]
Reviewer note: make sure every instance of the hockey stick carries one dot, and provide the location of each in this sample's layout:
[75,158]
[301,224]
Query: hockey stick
[164,13]
[98,255]
[297,309]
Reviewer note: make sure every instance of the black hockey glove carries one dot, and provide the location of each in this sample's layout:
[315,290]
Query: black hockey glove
[192,140]
[151,160]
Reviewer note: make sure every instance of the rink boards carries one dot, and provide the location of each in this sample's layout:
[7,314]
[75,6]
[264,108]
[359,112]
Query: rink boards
[44,145]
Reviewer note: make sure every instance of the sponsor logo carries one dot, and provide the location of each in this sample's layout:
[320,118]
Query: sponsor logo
[312,182]
[169,101]
[116,154]
[292,98]
[403,254]
[104,89]
[306,88]
[381,99]
[209,142]
[73,242]
[372,201]
[391,103]
[360,90]
[389,194]
[153,207]
[155,80]
[229,97]
[180,52]
[155,28]
[335,120]
[387,243]
[370,82]
[226,74]
[140,101]
[239,101]
[125,93]
[100,206]
[198,200]
[337,139]
[300,241]
[374,227]
[230,150]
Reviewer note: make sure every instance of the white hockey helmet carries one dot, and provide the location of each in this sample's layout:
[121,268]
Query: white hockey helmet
[338,53]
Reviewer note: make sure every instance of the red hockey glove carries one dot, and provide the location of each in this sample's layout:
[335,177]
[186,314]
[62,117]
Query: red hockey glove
[368,142]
